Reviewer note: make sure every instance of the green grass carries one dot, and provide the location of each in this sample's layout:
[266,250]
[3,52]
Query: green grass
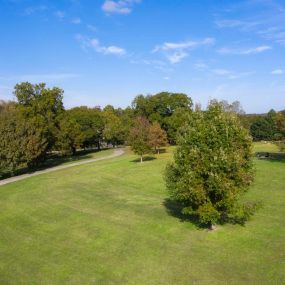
[105,223]
[265,146]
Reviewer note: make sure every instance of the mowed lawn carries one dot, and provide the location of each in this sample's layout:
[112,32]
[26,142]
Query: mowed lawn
[106,223]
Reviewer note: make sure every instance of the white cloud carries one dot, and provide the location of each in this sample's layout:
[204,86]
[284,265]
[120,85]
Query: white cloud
[200,66]
[247,51]
[175,52]
[232,23]
[176,56]
[118,6]
[95,45]
[277,72]
[35,9]
[91,28]
[76,21]
[222,71]
[59,14]
[183,45]
[230,74]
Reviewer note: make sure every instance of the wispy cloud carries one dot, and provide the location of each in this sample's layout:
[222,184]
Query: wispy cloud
[175,52]
[277,72]
[230,74]
[49,77]
[267,22]
[76,21]
[35,9]
[119,6]
[59,14]
[87,43]
[233,23]
[245,51]
[91,28]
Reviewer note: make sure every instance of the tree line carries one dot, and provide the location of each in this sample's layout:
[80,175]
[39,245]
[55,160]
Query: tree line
[37,124]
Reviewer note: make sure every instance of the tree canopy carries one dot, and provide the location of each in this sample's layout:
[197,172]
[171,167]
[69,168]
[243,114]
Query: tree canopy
[212,166]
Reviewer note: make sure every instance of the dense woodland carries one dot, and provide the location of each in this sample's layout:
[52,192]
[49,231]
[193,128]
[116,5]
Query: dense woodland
[37,124]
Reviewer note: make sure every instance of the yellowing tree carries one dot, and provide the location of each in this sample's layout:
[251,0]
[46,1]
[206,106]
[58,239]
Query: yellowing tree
[157,137]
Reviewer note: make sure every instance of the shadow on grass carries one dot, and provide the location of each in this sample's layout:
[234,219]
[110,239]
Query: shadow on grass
[174,209]
[271,156]
[145,158]
[53,160]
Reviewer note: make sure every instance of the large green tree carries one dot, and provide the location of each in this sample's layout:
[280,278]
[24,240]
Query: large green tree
[161,106]
[91,124]
[42,107]
[212,166]
[21,142]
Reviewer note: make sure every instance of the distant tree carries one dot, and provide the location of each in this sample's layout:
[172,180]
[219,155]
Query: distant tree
[212,166]
[114,132]
[234,107]
[265,127]
[21,142]
[161,106]
[139,137]
[157,137]
[176,121]
[91,124]
[69,136]
[42,107]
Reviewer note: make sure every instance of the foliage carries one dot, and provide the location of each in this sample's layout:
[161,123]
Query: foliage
[161,106]
[21,142]
[157,136]
[114,131]
[42,106]
[212,165]
[69,137]
[139,137]
[91,124]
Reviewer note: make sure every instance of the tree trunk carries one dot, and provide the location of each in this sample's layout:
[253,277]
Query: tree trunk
[73,150]
[158,150]
[141,158]
[212,227]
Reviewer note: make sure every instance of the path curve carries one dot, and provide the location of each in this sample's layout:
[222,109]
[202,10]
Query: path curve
[117,152]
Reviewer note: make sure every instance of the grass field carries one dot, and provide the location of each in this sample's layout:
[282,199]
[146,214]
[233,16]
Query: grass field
[106,223]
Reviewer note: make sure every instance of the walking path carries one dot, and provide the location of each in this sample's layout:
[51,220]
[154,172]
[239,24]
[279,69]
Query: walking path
[116,153]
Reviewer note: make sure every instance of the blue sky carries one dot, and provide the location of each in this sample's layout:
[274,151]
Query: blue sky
[108,51]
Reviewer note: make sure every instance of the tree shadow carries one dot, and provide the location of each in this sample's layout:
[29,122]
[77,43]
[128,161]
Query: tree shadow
[145,158]
[271,156]
[174,209]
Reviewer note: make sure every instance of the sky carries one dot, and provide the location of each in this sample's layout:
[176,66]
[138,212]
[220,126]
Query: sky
[108,51]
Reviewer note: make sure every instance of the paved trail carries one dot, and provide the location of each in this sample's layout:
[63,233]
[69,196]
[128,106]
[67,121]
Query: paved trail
[116,152]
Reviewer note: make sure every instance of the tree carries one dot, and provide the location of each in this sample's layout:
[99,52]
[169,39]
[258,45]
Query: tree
[139,137]
[69,136]
[157,137]
[113,127]
[174,122]
[161,106]
[21,142]
[265,127]
[42,107]
[91,124]
[212,166]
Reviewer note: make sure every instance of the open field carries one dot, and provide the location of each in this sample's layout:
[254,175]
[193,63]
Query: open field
[106,223]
